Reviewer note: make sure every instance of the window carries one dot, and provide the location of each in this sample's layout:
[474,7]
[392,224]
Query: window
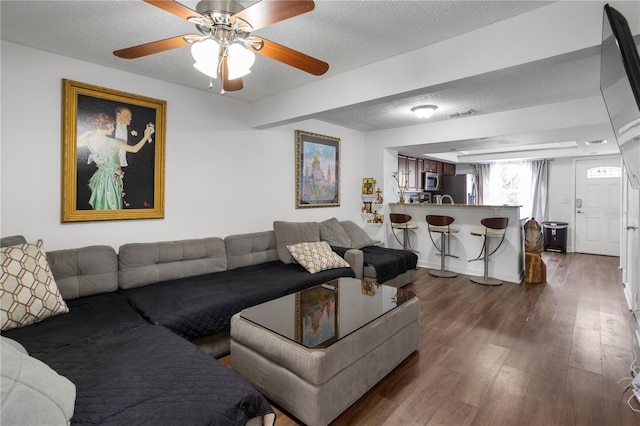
[510,183]
[604,172]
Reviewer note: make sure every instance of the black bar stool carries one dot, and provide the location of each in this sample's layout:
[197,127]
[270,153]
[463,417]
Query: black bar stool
[401,221]
[494,227]
[442,225]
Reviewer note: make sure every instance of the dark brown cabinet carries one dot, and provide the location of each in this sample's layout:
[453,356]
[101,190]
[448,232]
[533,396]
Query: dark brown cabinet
[448,169]
[415,166]
[408,169]
[431,166]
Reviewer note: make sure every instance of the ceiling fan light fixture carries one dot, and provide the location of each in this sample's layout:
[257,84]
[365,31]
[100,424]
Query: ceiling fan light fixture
[241,56]
[205,51]
[207,68]
[240,61]
[424,111]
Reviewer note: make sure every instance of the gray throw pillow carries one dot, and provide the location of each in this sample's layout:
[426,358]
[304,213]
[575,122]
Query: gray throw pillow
[333,233]
[289,233]
[13,240]
[31,392]
[358,236]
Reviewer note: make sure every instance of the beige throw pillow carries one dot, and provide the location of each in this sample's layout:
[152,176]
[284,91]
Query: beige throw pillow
[316,256]
[28,291]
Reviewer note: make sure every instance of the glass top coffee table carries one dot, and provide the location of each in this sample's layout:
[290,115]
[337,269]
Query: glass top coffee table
[320,316]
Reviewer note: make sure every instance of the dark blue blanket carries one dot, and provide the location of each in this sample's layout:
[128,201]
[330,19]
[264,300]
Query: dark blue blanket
[127,371]
[388,262]
[197,306]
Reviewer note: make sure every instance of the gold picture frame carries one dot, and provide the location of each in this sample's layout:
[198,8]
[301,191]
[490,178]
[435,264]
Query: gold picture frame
[367,186]
[113,147]
[317,170]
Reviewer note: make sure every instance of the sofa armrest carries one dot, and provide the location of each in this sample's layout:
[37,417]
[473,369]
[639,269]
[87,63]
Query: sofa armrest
[354,258]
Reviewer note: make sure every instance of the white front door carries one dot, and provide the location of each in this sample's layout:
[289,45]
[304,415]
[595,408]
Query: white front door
[598,201]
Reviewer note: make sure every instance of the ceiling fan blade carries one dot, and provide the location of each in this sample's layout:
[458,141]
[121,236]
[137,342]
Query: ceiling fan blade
[154,47]
[289,56]
[268,12]
[176,8]
[229,85]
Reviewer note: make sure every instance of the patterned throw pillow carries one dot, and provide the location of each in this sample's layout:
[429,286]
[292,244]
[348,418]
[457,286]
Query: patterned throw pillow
[28,292]
[316,256]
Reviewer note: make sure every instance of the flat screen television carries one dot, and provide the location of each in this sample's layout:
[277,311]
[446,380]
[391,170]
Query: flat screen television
[620,87]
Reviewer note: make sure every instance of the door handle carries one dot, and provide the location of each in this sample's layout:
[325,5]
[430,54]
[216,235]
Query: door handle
[579,211]
[632,228]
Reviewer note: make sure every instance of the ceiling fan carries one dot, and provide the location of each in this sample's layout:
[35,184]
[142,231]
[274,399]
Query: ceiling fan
[224,45]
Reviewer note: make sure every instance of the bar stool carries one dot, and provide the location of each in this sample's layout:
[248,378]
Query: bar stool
[442,225]
[494,227]
[401,221]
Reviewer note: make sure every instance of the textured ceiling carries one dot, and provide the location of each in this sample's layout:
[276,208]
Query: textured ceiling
[346,34]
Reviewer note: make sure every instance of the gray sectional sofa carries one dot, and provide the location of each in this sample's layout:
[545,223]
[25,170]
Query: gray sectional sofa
[136,319]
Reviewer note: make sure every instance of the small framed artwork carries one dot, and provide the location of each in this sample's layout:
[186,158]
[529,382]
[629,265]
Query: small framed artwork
[317,170]
[317,315]
[367,186]
[113,146]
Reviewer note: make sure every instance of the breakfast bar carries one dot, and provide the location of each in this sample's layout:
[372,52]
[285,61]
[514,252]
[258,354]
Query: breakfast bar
[506,264]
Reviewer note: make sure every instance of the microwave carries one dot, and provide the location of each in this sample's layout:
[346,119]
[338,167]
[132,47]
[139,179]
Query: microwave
[430,181]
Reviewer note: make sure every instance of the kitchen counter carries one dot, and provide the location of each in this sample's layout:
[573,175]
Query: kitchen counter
[455,205]
[506,264]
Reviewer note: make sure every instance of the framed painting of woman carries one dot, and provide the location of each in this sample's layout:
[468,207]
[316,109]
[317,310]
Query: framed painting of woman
[113,154]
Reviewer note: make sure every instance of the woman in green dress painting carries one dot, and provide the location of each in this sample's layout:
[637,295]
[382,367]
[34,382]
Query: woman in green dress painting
[106,183]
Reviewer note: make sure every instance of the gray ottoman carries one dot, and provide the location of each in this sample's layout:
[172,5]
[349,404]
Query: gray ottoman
[316,385]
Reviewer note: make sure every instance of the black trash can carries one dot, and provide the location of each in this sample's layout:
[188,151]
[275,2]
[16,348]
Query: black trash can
[555,236]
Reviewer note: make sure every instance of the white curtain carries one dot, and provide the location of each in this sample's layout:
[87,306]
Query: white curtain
[482,172]
[539,185]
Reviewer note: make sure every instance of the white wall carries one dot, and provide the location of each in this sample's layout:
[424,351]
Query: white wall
[221,176]
[561,195]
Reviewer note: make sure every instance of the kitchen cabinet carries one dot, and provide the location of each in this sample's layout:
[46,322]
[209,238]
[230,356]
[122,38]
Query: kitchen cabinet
[448,169]
[431,166]
[408,169]
[415,166]
[413,176]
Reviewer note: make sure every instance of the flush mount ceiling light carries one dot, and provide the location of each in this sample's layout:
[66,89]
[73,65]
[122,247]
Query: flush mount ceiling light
[424,111]
[596,142]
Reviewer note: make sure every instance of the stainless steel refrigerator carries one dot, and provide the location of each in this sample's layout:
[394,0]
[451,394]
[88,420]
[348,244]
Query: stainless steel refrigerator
[462,188]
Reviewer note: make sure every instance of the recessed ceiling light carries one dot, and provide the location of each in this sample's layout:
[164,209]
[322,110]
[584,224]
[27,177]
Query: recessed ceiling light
[600,142]
[424,111]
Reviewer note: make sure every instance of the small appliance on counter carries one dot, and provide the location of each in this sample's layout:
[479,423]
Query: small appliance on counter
[424,197]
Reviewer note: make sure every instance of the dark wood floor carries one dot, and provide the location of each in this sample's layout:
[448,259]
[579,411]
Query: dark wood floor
[517,354]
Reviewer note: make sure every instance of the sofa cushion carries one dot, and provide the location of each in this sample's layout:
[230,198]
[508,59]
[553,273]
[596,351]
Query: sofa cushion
[250,249]
[317,256]
[13,240]
[288,233]
[332,232]
[29,291]
[141,264]
[84,271]
[31,392]
[358,236]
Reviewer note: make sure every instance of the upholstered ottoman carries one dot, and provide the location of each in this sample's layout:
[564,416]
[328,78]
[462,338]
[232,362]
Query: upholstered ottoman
[316,385]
